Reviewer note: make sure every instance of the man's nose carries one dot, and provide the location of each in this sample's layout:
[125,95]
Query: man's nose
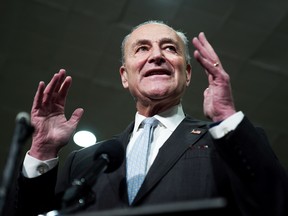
[156,56]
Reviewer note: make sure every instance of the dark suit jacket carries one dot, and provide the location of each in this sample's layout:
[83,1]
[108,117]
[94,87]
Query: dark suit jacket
[241,167]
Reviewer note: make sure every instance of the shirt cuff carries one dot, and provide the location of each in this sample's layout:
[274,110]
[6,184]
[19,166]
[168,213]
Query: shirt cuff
[226,125]
[32,167]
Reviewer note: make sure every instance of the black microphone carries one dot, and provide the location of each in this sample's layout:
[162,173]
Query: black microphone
[23,130]
[107,158]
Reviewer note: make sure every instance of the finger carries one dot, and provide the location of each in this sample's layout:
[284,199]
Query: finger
[210,77]
[206,92]
[76,116]
[203,40]
[205,63]
[63,92]
[49,90]
[199,47]
[209,66]
[62,76]
[205,48]
[37,102]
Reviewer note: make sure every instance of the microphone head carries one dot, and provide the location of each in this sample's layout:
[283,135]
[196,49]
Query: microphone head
[23,117]
[115,151]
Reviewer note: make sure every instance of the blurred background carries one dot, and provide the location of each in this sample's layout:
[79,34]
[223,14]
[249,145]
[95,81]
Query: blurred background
[38,37]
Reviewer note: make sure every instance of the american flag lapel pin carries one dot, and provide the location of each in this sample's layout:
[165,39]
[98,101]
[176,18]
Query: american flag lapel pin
[196,131]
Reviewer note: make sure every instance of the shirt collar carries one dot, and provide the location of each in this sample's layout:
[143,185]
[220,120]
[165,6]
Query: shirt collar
[170,118]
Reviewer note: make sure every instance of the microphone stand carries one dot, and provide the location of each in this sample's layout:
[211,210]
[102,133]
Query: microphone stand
[80,194]
[23,130]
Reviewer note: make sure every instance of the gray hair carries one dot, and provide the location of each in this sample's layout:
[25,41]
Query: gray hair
[179,33]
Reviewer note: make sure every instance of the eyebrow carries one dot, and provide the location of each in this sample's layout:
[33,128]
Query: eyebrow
[139,42]
[162,41]
[168,40]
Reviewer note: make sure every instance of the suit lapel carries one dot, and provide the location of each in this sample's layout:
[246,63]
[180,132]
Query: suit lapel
[185,135]
[120,174]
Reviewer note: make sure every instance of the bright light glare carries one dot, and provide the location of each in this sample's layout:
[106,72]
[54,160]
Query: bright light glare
[84,138]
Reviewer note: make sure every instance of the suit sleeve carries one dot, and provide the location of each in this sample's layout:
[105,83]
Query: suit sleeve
[36,195]
[258,180]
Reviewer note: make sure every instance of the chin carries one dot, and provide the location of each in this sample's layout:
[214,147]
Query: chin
[158,94]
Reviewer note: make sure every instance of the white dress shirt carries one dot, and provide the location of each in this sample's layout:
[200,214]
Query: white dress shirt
[168,122]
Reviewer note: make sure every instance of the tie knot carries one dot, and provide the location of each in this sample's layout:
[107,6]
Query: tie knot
[151,121]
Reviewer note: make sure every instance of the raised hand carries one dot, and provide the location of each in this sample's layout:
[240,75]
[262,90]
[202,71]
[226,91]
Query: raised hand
[52,129]
[218,100]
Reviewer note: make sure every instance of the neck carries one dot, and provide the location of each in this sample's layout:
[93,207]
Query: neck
[151,109]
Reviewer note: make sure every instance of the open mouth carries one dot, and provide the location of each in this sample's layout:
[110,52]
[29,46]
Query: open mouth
[157,72]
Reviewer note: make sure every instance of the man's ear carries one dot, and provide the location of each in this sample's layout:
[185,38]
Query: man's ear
[188,74]
[124,78]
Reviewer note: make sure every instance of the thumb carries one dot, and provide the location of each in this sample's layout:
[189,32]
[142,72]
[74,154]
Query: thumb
[76,116]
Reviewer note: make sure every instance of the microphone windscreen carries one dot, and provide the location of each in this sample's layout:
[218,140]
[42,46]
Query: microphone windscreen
[23,117]
[115,151]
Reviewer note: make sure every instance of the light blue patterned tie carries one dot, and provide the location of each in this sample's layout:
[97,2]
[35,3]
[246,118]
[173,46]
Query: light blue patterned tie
[137,158]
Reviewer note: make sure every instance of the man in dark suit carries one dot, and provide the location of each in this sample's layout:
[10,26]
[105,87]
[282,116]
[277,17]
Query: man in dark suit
[189,159]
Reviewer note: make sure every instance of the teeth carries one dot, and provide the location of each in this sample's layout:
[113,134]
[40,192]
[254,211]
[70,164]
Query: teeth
[154,73]
[157,73]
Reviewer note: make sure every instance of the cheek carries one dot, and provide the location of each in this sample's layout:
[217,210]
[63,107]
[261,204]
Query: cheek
[137,61]
[181,71]
[134,70]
